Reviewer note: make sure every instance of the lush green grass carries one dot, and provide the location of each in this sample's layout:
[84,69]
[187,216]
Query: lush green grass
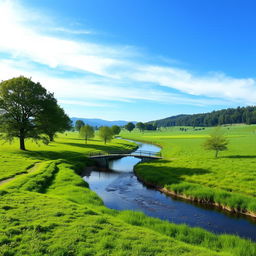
[13,164]
[196,236]
[68,146]
[188,169]
[51,211]
[36,224]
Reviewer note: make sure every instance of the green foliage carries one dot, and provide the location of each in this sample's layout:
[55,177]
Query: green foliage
[140,126]
[146,126]
[86,132]
[52,120]
[216,142]
[24,107]
[238,115]
[129,126]
[116,129]
[79,124]
[105,133]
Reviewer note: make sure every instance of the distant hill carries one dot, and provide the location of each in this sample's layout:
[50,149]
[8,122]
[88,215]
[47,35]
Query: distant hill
[238,115]
[101,122]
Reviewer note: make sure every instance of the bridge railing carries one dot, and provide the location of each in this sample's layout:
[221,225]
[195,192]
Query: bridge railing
[146,153]
[137,152]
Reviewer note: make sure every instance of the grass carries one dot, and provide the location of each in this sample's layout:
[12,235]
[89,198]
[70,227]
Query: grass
[67,146]
[190,170]
[13,164]
[52,211]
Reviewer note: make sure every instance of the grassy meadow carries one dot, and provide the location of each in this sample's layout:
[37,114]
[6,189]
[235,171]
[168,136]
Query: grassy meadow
[46,208]
[188,169]
[67,146]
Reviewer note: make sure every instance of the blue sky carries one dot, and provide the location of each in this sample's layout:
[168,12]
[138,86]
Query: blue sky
[133,60]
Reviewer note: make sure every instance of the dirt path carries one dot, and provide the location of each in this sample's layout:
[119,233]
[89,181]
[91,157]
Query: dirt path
[32,169]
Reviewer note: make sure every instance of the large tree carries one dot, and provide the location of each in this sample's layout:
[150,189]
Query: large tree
[129,126]
[105,133]
[86,132]
[22,101]
[216,142]
[53,119]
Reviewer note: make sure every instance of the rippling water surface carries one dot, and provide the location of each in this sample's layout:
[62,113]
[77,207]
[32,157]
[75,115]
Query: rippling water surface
[120,189]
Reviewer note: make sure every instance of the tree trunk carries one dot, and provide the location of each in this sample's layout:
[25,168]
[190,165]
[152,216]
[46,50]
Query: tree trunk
[22,143]
[216,153]
[51,137]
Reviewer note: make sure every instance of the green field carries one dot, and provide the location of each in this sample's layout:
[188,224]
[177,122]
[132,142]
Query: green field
[188,169]
[68,146]
[47,209]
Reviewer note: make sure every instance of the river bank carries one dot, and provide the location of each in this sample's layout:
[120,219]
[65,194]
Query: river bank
[195,199]
[120,189]
[191,173]
[52,210]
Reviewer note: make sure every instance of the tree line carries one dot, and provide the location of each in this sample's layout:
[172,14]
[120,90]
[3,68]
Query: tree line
[245,115]
[104,132]
[85,130]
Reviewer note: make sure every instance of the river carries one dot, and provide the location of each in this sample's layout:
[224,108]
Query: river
[120,189]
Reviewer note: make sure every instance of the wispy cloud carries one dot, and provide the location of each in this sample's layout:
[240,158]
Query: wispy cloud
[72,31]
[103,72]
[22,41]
[217,85]
[83,103]
[86,88]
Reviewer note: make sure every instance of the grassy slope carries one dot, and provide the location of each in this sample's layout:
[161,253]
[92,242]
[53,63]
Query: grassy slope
[188,169]
[67,146]
[51,211]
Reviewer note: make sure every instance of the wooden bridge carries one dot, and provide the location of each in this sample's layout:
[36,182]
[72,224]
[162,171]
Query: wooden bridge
[103,157]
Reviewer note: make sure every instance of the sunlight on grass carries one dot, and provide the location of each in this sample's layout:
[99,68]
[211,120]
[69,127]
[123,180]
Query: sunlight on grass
[187,168]
[51,211]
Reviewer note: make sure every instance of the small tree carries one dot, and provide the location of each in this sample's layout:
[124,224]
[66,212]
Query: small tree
[105,133]
[79,124]
[53,119]
[86,132]
[115,129]
[141,126]
[129,126]
[217,141]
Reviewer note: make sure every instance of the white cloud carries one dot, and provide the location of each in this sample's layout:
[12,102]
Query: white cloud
[107,73]
[88,89]
[82,103]
[72,31]
[212,85]
[22,41]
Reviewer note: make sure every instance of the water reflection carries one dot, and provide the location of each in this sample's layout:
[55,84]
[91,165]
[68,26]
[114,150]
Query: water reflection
[120,189]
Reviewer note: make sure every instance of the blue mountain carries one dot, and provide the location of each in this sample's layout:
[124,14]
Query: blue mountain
[101,122]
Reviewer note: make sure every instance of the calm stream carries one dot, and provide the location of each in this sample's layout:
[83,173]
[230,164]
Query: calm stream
[120,189]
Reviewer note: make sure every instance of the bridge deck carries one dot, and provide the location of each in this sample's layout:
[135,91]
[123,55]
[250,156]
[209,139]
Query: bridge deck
[123,155]
[139,154]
